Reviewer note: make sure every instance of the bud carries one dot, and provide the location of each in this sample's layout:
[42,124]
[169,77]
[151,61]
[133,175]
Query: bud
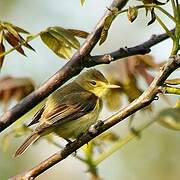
[132,13]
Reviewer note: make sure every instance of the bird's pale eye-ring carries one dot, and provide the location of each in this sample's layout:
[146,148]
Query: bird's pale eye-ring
[93,82]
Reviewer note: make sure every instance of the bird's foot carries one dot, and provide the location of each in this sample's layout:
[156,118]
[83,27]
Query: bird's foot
[95,127]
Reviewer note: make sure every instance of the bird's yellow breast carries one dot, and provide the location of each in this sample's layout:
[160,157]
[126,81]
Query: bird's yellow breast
[75,128]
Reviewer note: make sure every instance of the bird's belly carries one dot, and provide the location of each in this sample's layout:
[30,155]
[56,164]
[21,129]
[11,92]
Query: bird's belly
[75,128]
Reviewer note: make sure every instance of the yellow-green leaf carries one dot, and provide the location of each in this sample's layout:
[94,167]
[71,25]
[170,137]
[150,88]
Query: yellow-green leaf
[107,24]
[55,45]
[79,33]
[64,35]
[65,52]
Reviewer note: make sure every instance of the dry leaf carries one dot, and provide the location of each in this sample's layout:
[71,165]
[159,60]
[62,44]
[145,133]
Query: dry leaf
[14,88]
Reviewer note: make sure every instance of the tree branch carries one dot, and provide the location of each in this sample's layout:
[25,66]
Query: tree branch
[72,68]
[144,100]
[143,48]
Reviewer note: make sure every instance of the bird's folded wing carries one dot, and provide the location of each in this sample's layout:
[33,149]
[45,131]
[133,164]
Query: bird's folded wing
[36,117]
[71,107]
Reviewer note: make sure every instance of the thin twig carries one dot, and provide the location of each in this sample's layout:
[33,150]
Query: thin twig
[142,48]
[144,100]
[73,67]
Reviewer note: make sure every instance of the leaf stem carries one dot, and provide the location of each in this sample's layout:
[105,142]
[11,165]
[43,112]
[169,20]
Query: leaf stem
[165,28]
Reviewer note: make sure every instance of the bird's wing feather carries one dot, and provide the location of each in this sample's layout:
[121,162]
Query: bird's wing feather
[36,117]
[71,107]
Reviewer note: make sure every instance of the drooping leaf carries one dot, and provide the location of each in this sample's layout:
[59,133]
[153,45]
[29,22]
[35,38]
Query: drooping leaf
[61,40]
[20,30]
[22,40]
[56,46]
[11,30]
[16,28]
[14,88]
[107,24]
[14,42]
[78,33]
[64,35]
[169,118]
[65,51]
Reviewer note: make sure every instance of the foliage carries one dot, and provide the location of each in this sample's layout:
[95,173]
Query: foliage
[63,41]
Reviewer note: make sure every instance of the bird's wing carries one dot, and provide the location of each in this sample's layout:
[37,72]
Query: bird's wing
[36,117]
[71,107]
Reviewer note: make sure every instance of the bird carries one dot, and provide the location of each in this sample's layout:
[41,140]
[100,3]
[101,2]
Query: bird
[71,110]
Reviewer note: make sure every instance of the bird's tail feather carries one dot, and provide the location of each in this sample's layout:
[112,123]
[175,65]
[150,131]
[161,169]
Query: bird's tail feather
[30,140]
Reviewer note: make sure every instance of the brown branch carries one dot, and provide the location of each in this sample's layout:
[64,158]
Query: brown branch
[72,68]
[142,48]
[145,99]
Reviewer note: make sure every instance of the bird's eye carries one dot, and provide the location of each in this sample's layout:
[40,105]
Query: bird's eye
[93,83]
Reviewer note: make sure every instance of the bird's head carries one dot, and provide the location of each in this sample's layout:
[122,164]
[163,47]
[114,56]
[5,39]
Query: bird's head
[94,81]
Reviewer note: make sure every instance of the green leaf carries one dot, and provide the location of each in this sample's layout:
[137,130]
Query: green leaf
[65,36]
[65,52]
[107,24]
[78,33]
[16,28]
[55,45]
[169,118]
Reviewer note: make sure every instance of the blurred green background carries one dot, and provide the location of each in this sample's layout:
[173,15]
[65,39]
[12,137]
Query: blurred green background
[156,155]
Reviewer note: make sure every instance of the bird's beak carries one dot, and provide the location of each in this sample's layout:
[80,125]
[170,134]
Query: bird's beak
[113,86]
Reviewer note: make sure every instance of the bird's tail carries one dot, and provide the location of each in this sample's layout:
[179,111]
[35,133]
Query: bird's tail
[30,140]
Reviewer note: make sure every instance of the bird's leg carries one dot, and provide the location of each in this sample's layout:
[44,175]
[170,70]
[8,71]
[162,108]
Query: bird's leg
[95,127]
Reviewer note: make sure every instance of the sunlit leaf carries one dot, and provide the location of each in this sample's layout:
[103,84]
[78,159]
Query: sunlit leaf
[55,45]
[14,42]
[16,28]
[64,35]
[20,30]
[22,40]
[12,31]
[169,118]
[61,40]
[79,33]
[107,24]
